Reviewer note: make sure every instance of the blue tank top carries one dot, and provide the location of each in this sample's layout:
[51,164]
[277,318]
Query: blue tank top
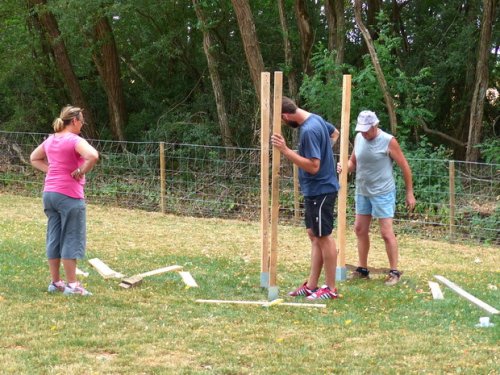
[314,142]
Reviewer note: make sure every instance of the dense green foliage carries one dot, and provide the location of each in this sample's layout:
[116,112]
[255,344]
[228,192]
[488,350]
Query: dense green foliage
[427,50]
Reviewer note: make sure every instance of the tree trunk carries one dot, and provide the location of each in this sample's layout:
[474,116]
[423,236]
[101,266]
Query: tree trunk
[398,23]
[105,56]
[376,64]
[292,79]
[332,24]
[462,92]
[50,27]
[306,35]
[372,10]
[340,37]
[214,76]
[250,41]
[334,10]
[482,75]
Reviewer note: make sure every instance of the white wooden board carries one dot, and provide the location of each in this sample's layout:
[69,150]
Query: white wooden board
[262,303]
[188,279]
[104,270]
[82,273]
[466,295]
[435,290]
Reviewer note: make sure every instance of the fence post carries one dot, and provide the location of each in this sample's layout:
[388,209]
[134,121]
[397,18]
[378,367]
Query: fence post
[162,177]
[452,200]
[296,207]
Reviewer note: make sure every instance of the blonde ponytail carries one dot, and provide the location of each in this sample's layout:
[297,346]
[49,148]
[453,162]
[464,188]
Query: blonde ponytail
[58,125]
[67,114]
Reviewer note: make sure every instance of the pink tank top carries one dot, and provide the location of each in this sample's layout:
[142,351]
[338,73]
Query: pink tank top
[63,159]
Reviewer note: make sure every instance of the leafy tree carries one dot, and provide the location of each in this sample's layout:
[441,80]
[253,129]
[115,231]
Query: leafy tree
[428,52]
[481,81]
[212,60]
[30,92]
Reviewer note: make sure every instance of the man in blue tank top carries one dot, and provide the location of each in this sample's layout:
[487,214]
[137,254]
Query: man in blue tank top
[372,160]
[319,185]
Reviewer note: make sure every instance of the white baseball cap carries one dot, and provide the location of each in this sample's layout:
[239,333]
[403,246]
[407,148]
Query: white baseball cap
[366,120]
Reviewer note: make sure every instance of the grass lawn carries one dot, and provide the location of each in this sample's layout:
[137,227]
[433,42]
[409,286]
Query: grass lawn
[158,328]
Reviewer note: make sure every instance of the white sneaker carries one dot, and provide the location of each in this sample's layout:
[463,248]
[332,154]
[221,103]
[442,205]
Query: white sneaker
[78,289]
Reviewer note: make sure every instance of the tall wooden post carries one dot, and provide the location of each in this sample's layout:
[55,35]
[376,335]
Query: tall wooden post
[341,273]
[265,84]
[452,200]
[162,177]
[273,288]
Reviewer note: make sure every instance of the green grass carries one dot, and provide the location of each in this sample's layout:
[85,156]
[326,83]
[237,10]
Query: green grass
[157,328]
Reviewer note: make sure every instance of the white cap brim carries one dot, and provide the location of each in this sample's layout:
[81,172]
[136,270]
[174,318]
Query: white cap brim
[363,128]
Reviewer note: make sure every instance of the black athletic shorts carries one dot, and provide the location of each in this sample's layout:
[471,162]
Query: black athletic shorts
[319,213]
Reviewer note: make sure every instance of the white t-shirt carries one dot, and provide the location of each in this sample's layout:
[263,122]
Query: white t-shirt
[373,165]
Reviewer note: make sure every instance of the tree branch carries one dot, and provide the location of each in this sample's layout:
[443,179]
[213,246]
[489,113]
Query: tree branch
[441,134]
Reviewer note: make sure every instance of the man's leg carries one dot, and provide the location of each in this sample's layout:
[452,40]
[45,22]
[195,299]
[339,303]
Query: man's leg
[329,252]
[316,261]
[362,230]
[391,243]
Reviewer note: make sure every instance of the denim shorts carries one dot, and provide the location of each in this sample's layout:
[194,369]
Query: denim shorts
[66,227]
[381,206]
[319,213]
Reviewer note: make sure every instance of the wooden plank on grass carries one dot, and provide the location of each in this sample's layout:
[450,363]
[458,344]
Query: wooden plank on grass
[80,272]
[188,279]
[161,270]
[104,269]
[135,280]
[435,290]
[466,295]
[262,303]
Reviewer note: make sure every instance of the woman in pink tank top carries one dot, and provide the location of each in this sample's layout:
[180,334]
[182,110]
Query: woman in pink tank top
[65,158]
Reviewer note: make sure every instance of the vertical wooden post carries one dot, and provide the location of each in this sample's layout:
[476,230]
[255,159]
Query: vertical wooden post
[452,200]
[341,273]
[265,84]
[162,177]
[273,288]
[296,207]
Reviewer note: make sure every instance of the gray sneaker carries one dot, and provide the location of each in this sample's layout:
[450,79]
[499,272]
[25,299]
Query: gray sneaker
[393,278]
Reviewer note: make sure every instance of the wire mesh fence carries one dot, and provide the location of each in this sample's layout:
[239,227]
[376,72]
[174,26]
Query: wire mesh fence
[455,200]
